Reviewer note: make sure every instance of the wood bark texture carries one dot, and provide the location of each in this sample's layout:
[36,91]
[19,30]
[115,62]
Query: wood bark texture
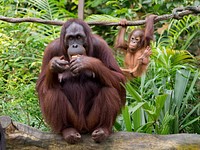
[23,137]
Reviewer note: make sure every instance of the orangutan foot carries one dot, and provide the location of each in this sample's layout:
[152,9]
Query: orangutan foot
[71,135]
[100,134]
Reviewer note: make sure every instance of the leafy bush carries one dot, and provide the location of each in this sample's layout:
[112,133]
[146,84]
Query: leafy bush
[21,52]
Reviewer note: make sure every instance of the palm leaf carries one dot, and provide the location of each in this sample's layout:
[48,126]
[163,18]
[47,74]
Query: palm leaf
[47,10]
[189,24]
[169,59]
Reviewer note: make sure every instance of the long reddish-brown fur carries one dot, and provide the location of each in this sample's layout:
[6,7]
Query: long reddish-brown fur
[81,102]
[134,67]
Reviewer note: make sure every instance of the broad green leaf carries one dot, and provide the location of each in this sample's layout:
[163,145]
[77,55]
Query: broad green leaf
[181,80]
[160,101]
[127,119]
[137,114]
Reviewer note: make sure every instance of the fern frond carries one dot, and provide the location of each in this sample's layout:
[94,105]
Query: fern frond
[187,26]
[47,10]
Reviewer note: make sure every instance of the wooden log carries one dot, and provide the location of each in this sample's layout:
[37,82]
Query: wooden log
[23,137]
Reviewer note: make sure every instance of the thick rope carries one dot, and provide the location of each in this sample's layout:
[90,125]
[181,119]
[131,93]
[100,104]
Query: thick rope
[177,13]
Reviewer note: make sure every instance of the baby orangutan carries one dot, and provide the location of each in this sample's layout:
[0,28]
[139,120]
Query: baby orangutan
[137,49]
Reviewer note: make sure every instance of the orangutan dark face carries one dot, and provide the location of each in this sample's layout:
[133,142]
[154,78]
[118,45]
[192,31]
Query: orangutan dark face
[75,40]
[135,40]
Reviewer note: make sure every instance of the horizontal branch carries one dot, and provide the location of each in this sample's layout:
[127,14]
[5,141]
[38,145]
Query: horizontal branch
[20,136]
[175,14]
[142,22]
[35,20]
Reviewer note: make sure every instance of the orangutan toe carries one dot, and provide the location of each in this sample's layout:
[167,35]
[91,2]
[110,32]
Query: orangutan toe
[100,135]
[71,135]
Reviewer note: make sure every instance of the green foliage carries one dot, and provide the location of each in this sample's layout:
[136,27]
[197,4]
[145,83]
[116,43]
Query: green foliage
[20,56]
[133,9]
[167,96]
[187,28]
[163,101]
[47,10]
[159,101]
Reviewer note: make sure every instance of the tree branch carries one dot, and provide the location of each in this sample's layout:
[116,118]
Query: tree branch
[35,20]
[177,13]
[21,137]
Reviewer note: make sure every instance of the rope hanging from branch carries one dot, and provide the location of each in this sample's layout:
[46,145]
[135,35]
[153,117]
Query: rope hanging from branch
[177,13]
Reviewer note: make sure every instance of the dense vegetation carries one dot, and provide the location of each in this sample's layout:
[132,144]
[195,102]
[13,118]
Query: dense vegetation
[165,100]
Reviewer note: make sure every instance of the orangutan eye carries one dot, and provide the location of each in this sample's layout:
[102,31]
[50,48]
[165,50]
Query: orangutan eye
[70,37]
[138,39]
[78,37]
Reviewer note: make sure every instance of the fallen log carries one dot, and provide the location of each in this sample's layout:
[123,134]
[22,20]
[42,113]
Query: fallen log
[23,137]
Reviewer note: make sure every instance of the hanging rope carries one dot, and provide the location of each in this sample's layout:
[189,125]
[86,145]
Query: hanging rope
[177,13]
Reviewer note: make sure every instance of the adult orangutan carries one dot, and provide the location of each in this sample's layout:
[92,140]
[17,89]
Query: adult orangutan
[80,84]
[137,48]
